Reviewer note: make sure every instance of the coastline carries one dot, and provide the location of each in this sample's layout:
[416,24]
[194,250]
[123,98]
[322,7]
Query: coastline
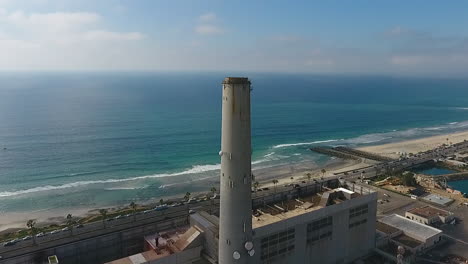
[393,150]
[283,173]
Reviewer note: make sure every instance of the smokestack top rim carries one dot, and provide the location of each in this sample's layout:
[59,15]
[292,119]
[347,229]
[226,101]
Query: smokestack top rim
[236,80]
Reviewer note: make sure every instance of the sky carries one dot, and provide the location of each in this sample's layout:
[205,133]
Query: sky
[398,37]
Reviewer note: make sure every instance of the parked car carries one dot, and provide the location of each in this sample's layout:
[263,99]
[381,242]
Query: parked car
[41,234]
[161,208]
[26,238]
[79,226]
[9,244]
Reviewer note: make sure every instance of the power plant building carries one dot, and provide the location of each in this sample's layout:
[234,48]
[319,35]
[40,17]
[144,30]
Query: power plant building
[327,221]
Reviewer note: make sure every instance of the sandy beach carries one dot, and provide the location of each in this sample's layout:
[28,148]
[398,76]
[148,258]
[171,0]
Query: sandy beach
[264,176]
[282,173]
[394,150]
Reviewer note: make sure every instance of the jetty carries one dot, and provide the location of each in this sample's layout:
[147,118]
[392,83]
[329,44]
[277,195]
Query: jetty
[349,153]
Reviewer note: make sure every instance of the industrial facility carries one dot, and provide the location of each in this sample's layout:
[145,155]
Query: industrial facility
[414,236]
[329,221]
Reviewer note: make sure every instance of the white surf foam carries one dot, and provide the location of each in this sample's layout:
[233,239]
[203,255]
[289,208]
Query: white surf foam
[193,170]
[305,143]
[123,188]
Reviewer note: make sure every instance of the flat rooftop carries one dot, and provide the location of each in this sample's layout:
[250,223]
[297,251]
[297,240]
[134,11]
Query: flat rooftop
[387,229]
[410,227]
[437,199]
[429,211]
[273,213]
[407,241]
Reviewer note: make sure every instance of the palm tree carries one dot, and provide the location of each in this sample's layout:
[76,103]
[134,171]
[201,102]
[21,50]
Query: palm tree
[133,205]
[70,223]
[292,178]
[309,176]
[187,196]
[103,213]
[31,224]
[275,181]
[161,201]
[212,201]
[256,185]
[323,172]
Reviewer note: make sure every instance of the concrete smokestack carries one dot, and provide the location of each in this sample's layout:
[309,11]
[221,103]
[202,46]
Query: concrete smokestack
[235,217]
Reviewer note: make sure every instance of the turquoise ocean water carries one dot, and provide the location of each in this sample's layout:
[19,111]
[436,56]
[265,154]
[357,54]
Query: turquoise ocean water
[100,139]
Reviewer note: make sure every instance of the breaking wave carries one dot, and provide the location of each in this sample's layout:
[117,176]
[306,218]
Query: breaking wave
[394,135]
[193,170]
[305,143]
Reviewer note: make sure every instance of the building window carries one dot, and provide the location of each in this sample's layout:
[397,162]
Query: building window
[320,229]
[357,223]
[357,211]
[277,244]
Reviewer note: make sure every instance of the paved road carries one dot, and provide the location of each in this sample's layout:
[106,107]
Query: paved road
[97,228]
[380,168]
[458,240]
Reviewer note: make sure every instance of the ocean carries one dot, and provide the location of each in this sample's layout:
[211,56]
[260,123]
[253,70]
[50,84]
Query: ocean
[89,140]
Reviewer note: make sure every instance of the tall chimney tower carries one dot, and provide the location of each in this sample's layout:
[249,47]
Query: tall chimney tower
[235,217]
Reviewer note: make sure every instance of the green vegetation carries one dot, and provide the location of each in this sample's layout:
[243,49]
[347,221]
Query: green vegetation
[31,224]
[187,196]
[408,179]
[70,223]
[103,213]
[134,206]
[309,176]
[256,185]
[275,182]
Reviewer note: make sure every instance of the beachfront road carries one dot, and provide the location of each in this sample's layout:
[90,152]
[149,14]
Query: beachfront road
[95,229]
[405,163]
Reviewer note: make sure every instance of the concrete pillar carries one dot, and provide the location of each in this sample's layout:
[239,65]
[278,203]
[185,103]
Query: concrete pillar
[235,217]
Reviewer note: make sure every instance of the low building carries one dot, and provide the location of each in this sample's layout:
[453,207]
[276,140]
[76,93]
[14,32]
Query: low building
[332,225]
[170,247]
[437,199]
[456,163]
[429,215]
[412,235]
[337,226]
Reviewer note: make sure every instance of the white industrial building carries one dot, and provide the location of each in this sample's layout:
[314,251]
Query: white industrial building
[333,226]
[412,235]
[429,215]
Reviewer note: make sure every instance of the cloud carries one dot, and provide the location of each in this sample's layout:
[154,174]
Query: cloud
[63,40]
[57,22]
[208,25]
[207,29]
[63,27]
[408,60]
[208,17]
[108,35]
[319,62]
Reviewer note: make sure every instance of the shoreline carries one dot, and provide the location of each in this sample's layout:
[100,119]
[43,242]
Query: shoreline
[10,222]
[394,150]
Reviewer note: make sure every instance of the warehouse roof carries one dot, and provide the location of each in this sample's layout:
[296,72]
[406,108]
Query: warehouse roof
[411,228]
